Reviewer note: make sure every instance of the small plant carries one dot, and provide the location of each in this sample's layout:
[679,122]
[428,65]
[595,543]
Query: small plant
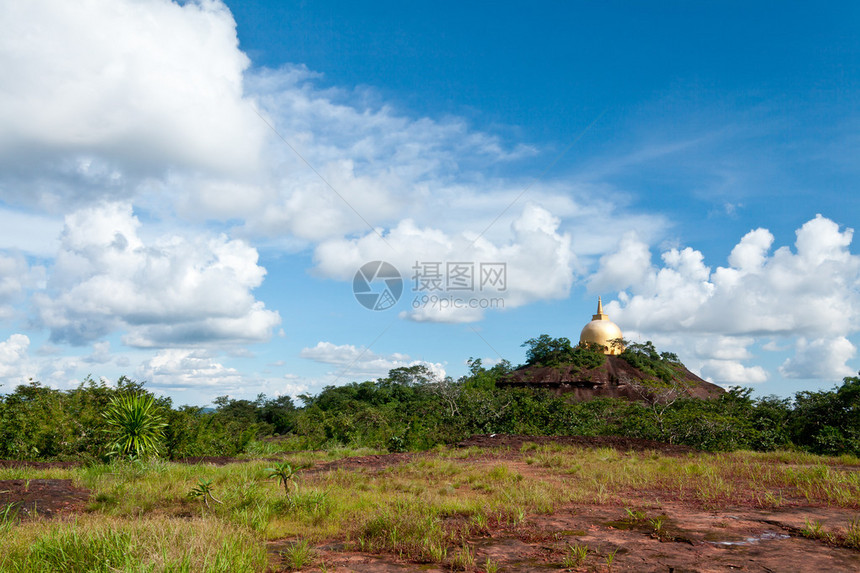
[286,475]
[658,526]
[8,516]
[491,566]
[464,558]
[813,530]
[610,557]
[575,556]
[479,522]
[298,555]
[518,515]
[635,515]
[852,534]
[203,490]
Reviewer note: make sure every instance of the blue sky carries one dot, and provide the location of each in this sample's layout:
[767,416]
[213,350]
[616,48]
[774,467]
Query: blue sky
[187,190]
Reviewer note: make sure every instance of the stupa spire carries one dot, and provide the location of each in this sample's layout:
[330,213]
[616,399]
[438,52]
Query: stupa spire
[600,315]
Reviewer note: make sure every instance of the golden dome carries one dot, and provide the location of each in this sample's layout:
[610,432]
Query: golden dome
[602,331]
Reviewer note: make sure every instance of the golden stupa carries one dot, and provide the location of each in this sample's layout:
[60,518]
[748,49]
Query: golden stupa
[602,331]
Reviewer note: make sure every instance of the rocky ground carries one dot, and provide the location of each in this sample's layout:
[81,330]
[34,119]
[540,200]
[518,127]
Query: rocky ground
[669,536]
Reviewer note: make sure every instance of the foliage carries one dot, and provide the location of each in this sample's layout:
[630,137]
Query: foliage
[412,409]
[547,351]
[286,475]
[41,423]
[828,422]
[136,425]
[298,555]
[662,366]
[203,490]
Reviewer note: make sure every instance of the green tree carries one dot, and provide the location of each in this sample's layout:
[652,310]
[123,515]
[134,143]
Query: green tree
[828,421]
[547,351]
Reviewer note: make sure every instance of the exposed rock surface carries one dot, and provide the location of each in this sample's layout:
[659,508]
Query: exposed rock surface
[615,378]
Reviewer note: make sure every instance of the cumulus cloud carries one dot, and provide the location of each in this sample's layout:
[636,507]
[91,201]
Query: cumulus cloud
[100,355]
[355,360]
[820,358]
[538,263]
[810,293]
[97,95]
[171,291]
[14,360]
[16,276]
[733,372]
[628,265]
[184,368]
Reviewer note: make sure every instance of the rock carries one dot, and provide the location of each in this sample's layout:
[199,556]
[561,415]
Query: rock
[615,378]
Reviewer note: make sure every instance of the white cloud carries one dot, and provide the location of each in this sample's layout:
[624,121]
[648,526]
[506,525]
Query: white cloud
[538,262]
[14,361]
[750,253]
[184,368]
[172,291]
[732,372]
[811,293]
[96,95]
[822,358]
[356,361]
[724,347]
[18,367]
[190,370]
[16,276]
[628,265]
[100,355]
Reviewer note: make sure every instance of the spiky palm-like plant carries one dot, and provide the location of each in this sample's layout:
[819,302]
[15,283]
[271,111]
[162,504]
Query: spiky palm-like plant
[203,489]
[137,425]
[285,474]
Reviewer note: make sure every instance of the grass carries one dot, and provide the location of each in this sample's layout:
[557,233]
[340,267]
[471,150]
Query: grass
[298,555]
[142,519]
[849,537]
[99,543]
[852,534]
[575,556]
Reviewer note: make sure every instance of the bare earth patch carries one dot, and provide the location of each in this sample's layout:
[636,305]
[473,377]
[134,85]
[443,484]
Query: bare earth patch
[45,497]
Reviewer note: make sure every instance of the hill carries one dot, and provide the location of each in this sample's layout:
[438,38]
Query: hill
[614,378]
